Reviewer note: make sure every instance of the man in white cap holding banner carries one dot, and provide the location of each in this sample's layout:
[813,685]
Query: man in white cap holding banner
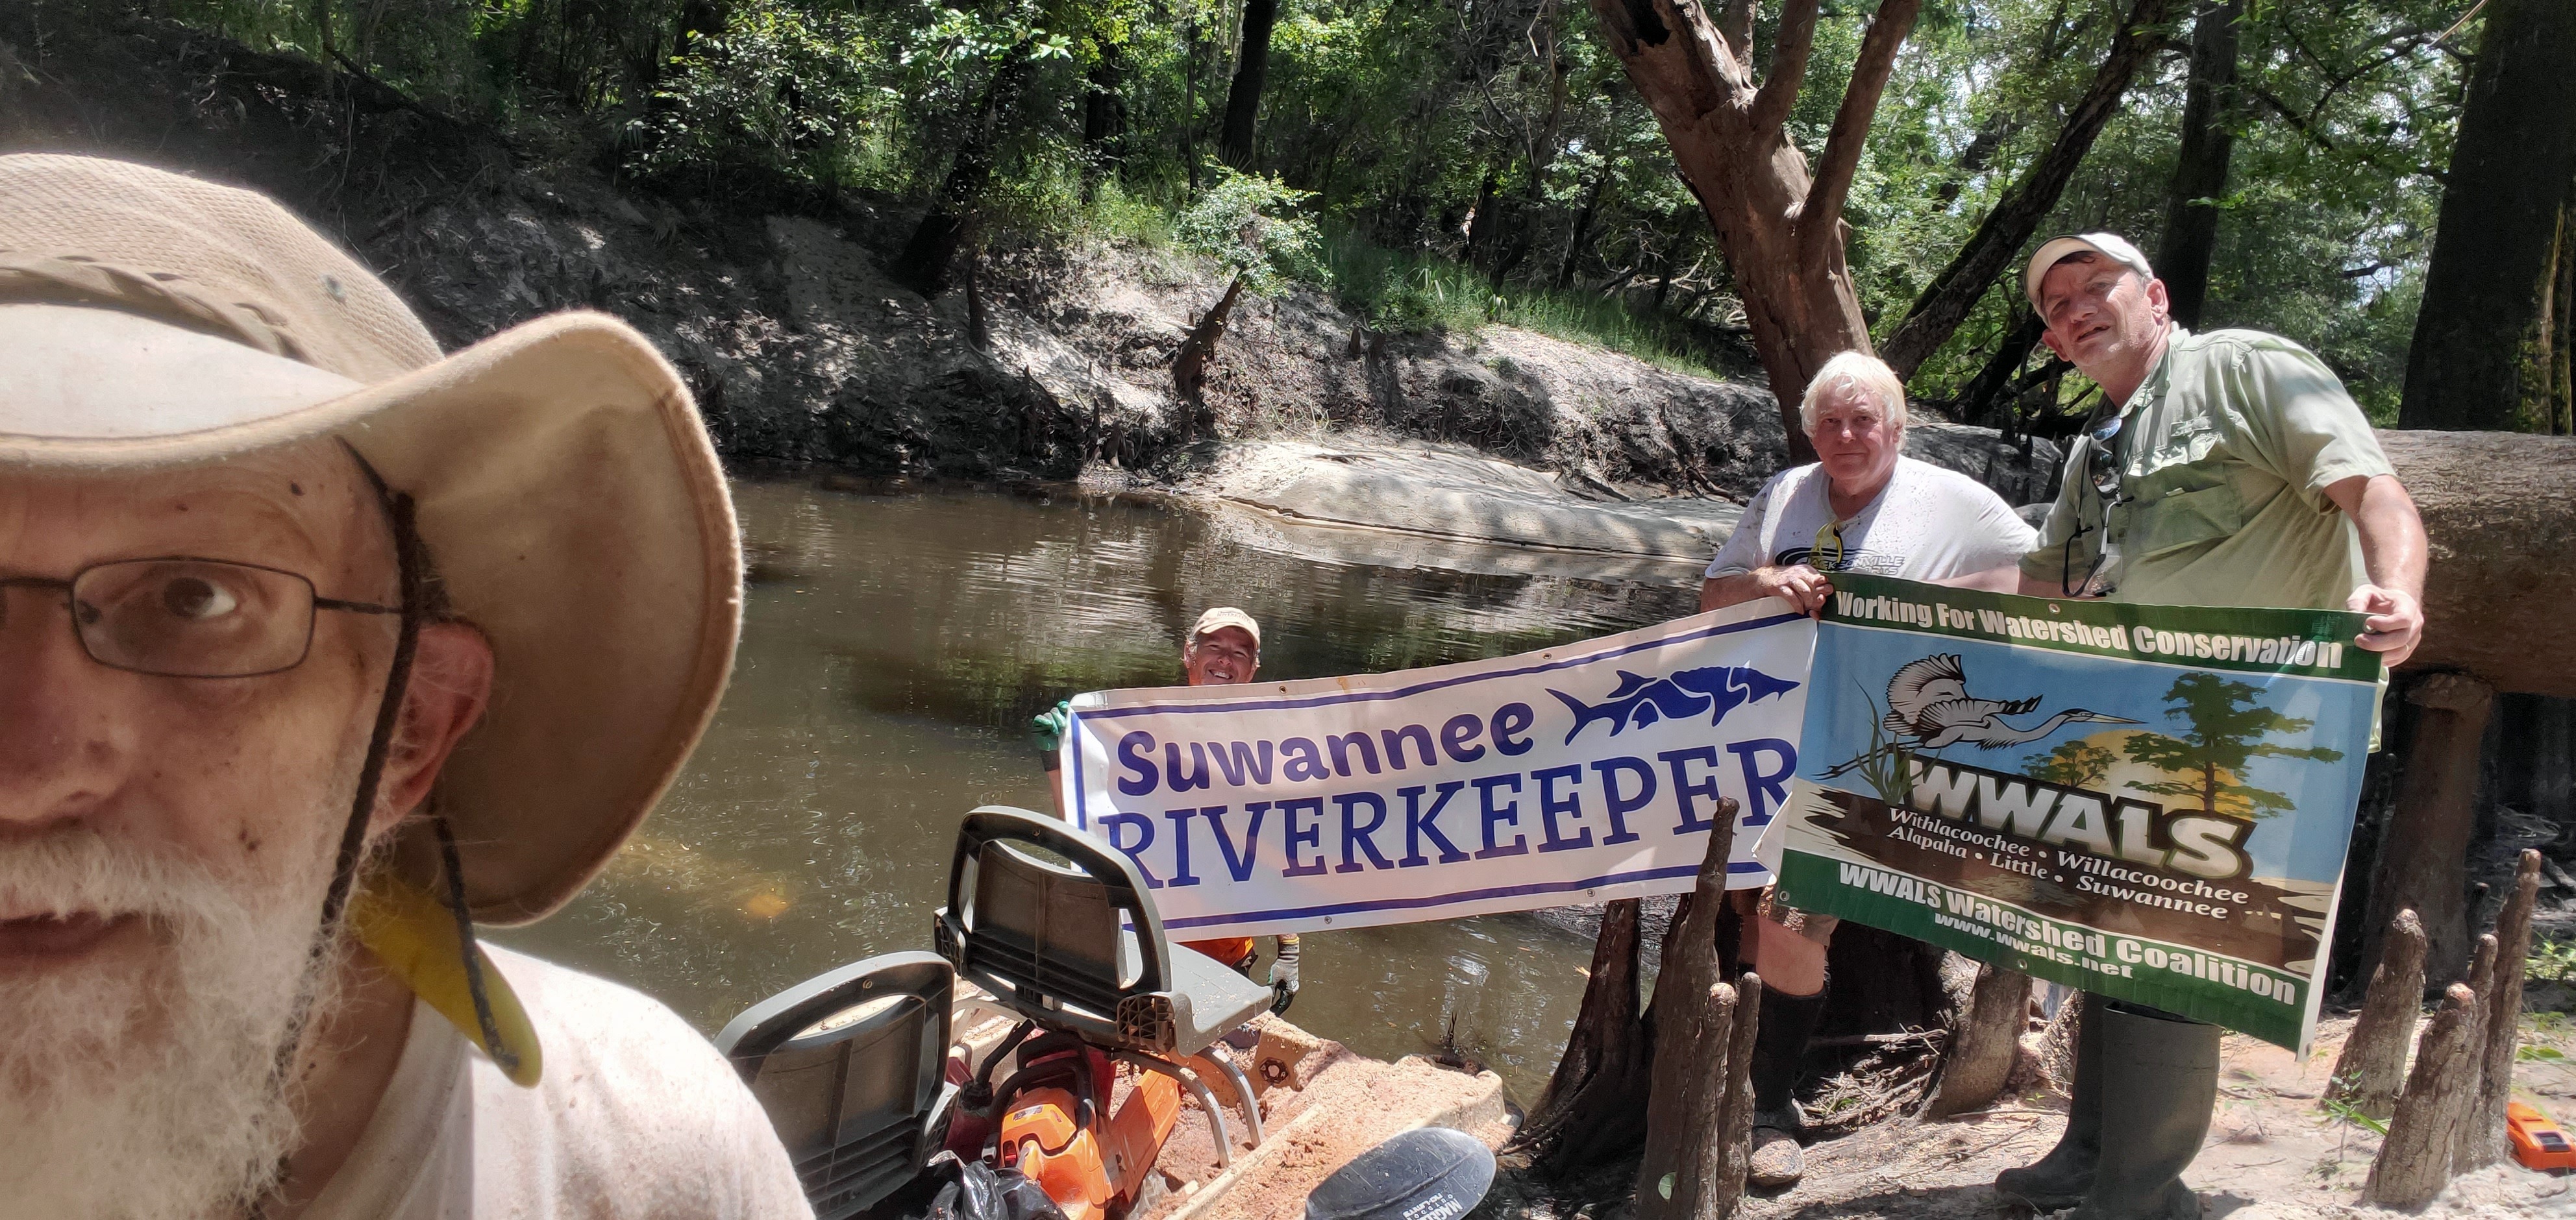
[1223,649]
[2225,469]
[318,647]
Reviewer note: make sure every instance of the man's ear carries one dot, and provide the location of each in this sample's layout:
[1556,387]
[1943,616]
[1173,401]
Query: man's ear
[451,684]
[2048,336]
[2160,301]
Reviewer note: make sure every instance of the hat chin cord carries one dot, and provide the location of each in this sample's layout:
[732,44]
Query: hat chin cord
[412,568]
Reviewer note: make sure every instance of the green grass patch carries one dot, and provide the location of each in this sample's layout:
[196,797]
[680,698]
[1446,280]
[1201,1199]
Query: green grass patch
[1412,292]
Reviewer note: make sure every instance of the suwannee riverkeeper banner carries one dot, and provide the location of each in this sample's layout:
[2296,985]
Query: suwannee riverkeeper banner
[1569,775]
[2148,802]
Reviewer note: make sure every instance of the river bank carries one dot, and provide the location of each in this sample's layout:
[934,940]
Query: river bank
[800,349]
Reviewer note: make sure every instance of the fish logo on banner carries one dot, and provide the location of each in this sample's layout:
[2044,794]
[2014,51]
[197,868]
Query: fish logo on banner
[1641,701]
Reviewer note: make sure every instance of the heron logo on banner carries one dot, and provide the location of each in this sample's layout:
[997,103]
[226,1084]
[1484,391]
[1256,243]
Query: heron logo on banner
[1641,701]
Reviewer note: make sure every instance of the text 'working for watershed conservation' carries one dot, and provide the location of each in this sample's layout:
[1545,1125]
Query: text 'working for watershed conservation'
[2148,802]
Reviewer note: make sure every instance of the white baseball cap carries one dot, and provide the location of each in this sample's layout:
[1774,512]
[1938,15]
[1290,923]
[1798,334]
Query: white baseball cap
[1223,617]
[2109,245]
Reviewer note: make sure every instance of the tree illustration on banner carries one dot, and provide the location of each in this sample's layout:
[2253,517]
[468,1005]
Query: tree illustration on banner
[2073,764]
[2228,724]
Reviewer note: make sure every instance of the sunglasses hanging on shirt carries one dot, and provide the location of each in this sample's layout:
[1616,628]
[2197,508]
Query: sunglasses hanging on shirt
[2102,461]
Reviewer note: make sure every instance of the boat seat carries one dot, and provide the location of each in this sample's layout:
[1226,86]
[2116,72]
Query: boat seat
[1078,946]
[850,1066]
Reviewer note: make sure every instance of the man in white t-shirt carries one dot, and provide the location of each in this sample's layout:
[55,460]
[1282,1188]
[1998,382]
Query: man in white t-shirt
[1862,506]
[316,648]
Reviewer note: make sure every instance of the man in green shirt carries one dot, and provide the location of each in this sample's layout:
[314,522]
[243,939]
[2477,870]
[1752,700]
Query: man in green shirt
[2225,469]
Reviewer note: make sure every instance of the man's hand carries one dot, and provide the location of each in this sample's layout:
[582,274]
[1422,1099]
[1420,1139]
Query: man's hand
[1283,975]
[1796,584]
[2395,625]
[2392,554]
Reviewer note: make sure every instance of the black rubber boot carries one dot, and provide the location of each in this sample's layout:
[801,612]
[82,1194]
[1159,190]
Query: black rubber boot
[1779,1043]
[2159,1080]
[2060,1179]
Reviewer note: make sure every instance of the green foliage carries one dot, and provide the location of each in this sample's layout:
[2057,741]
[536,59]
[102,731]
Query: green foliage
[1476,163]
[2552,960]
[2227,723]
[2342,1110]
[778,89]
[1249,223]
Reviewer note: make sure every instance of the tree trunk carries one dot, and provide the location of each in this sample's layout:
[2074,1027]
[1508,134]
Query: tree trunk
[2372,1067]
[1945,302]
[2426,848]
[1104,115]
[2414,1162]
[1985,397]
[930,255]
[2501,512]
[1583,226]
[2562,348]
[1251,68]
[1591,1102]
[2200,167]
[1690,1038]
[2482,1140]
[2478,333]
[1733,1152]
[1189,365]
[1781,230]
[1980,1057]
[1685,1116]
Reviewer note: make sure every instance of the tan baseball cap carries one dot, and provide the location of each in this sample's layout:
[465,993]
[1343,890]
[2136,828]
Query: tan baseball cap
[1223,617]
[562,478]
[2109,245]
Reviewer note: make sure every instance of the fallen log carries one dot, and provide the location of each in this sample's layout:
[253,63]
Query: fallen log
[2414,1162]
[2500,510]
[1981,1057]
[2372,1068]
[2482,1141]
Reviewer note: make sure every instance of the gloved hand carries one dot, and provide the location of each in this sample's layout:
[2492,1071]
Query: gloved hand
[1047,728]
[1283,974]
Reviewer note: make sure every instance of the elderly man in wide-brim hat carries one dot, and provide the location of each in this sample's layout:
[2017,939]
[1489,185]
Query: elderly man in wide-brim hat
[317,647]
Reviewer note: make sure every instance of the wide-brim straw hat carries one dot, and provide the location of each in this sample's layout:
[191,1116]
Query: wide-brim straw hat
[563,479]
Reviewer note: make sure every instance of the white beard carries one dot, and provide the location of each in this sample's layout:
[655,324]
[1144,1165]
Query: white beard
[152,1092]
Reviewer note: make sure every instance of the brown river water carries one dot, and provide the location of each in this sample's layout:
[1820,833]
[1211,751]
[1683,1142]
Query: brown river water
[896,641]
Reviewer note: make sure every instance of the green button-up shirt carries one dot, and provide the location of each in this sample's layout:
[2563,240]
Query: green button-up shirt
[2225,453]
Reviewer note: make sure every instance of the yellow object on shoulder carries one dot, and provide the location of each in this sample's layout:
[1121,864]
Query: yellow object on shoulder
[416,936]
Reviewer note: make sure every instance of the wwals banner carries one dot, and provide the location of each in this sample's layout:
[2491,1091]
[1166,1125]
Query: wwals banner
[1576,774]
[2148,802]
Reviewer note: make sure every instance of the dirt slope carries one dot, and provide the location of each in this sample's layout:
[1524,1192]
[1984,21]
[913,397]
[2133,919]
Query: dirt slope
[774,307]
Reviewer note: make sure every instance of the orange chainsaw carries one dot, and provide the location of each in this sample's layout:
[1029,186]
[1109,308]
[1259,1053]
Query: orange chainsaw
[1061,1122]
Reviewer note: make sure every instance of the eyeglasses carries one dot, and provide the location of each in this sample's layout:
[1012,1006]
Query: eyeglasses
[1825,554]
[183,617]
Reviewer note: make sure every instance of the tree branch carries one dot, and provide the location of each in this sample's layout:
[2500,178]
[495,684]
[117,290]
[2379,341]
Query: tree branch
[1788,66]
[1736,24]
[1820,217]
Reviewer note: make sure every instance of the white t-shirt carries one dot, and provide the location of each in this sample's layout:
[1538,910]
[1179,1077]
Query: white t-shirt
[636,1116]
[1928,523]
